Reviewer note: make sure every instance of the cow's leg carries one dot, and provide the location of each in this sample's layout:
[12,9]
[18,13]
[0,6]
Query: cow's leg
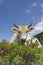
[28,41]
[13,38]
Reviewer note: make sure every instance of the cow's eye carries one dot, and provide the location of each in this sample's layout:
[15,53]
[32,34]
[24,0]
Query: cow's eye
[19,31]
[27,31]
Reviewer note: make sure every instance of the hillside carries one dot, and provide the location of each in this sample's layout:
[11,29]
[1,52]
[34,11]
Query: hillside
[40,37]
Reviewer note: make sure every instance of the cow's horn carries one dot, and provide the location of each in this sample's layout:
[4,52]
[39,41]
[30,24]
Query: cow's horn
[16,26]
[30,25]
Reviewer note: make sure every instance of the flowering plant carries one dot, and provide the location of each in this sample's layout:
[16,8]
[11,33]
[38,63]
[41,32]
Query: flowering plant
[17,54]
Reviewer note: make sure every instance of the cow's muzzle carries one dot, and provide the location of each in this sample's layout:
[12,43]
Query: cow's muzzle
[23,40]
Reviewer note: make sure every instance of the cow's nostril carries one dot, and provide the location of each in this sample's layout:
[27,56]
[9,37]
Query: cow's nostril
[23,40]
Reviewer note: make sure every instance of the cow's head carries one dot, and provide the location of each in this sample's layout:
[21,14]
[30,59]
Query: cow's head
[22,31]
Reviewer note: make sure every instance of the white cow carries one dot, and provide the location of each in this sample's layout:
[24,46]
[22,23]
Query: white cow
[21,34]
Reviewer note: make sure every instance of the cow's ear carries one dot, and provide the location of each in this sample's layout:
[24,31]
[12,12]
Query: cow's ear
[31,28]
[14,29]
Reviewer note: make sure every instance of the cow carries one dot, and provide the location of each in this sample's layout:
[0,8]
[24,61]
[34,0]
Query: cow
[21,34]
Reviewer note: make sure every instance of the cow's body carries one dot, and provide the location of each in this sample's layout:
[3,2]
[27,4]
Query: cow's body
[33,40]
[21,35]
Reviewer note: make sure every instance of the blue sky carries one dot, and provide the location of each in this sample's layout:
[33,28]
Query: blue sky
[19,12]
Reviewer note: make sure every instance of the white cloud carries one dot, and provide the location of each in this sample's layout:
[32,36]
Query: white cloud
[1,1]
[34,4]
[27,11]
[37,29]
[30,6]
